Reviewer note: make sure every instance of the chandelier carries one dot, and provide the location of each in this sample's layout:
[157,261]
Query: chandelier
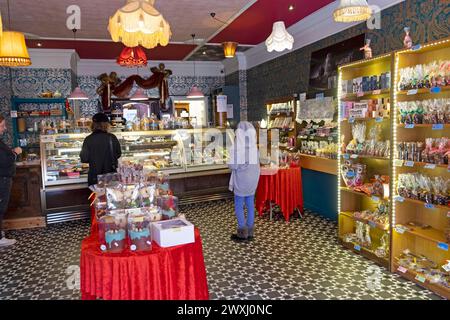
[352,11]
[132,57]
[279,39]
[139,23]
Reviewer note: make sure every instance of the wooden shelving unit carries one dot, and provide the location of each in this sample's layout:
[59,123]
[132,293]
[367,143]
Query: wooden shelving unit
[349,200]
[318,164]
[429,242]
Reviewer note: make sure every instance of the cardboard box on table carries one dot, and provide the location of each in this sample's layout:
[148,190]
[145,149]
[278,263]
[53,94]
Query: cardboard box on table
[169,233]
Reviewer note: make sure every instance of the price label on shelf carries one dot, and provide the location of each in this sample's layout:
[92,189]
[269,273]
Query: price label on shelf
[48,139]
[446,267]
[416,47]
[360,94]
[398,163]
[438,126]
[430,166]
[443,246]
[357,247]
[346,156]
[351,120]
[13,114]
[429,206]
[375,198]
[399,198]
[378,119]
[435,90]
[402,269]
[399,230]
[409,126]
[420,278]
[354,156]
[408,163]
[376,91]
[412,92]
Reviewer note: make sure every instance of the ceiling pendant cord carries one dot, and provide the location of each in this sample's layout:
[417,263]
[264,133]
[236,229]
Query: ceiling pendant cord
[193,43]
[9,17]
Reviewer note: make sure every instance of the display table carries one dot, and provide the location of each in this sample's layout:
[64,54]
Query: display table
[175,273]
[284,188]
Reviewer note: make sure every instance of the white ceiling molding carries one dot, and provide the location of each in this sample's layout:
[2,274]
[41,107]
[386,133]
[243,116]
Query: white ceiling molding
[54,58]
[179,68]
[313,28]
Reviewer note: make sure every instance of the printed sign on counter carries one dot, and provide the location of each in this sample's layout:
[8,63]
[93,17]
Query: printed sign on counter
[48,139]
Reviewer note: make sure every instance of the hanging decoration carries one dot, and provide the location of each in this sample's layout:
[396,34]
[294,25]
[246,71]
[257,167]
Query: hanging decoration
[139,23]
[132,57]
[352,11]
[279,40]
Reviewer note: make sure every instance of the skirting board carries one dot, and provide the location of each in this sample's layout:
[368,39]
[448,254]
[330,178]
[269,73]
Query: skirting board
[24,223]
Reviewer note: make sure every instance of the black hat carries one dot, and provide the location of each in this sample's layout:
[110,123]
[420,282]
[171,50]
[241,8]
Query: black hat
[100,117]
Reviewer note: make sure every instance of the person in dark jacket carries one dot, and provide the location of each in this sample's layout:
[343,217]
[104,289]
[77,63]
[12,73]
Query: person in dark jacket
[100,149]
[8,158]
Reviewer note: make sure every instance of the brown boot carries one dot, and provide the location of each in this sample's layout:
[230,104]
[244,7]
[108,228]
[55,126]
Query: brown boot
[242,235]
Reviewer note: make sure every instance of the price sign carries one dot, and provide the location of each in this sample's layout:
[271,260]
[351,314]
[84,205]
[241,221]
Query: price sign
[443,246]
[320,96]
[48,139]
[446,267]
[398,163]
[399,230]
[399,198]
[420,278]
[13,114]
[346,156]
[435,90]
[416,47]
[430,166]
[438,126]
[429,206]
[376,92]
[409,164]
[357,247]
[351,120]
[409,126]
[375,198]
[402,269]
[412,92]
[354,156]
[378,119]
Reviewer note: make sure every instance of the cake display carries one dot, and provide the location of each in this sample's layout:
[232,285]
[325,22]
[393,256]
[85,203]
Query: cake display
[112,232]
[169,206]
[139,232]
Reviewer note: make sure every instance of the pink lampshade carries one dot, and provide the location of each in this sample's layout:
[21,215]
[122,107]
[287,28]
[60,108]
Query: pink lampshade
[78,94]
[195,93]
[139,95]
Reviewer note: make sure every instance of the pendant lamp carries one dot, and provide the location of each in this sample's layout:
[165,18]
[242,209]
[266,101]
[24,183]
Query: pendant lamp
[279,40]
[352,11]
[229,49]
[77,94]
[139,23]
[13,50]
[132,57]
[194,92]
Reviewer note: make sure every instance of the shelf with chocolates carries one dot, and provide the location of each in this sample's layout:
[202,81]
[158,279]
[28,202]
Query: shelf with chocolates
[365,142]
[421,188]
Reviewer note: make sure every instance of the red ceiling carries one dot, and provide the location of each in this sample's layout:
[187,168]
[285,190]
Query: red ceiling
[111,50]
[255,24]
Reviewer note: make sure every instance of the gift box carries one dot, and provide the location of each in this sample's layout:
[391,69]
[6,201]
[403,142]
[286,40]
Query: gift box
[173,232]
[168,205]
[139,232]
[113,232]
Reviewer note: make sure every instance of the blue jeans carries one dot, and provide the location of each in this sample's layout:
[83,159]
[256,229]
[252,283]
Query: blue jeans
[239,210]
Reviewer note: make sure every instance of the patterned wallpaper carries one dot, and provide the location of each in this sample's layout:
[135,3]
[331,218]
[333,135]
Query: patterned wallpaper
[428,19]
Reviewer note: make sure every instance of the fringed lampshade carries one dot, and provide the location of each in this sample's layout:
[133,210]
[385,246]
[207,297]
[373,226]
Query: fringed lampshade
[279,39]
[132,57]
[139,23]
[13,50]
[195,93]
[229,49]
[352,11]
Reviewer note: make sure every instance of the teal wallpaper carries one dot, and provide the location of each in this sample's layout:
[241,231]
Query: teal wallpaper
[428,19]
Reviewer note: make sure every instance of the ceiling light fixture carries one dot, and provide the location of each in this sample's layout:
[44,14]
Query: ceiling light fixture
[279,39]
[229,47]
[77,94]
[139,23]
[13,50]
[291,7]
[39,44]
[194,92]
[132,57]
[352,11]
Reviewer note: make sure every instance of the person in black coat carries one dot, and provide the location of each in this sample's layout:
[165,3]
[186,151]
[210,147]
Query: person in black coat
[100,149]
[8,158]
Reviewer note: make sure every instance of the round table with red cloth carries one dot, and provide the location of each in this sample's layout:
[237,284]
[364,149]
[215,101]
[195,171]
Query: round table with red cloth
[284,188]
[175,273]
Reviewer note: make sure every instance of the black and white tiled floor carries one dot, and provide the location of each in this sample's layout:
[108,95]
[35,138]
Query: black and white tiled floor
[296,260]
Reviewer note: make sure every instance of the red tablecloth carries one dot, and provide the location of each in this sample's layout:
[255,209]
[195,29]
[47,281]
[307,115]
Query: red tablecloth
[175,273]
[284,188]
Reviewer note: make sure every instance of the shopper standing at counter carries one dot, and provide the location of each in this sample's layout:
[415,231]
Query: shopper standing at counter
[245,171]
[8,158]
[101,149]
